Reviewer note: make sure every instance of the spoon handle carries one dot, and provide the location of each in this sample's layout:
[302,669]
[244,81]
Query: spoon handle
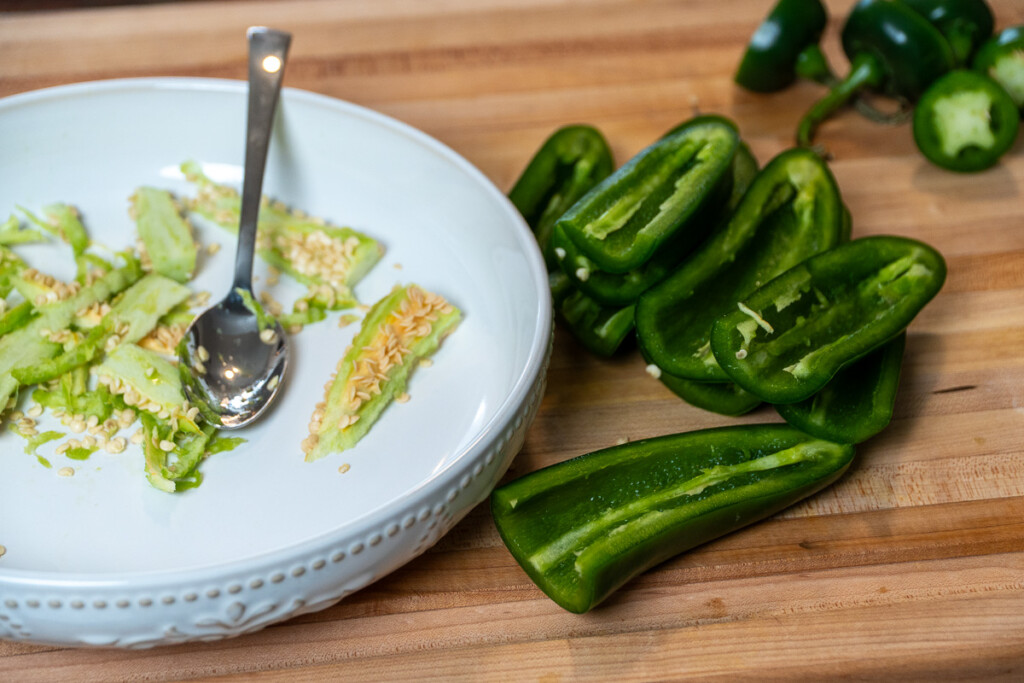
[268,49]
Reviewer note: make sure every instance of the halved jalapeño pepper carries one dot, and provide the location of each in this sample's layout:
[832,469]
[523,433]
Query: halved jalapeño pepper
[724,398]
[582,528]
[620,289]
[566,167]
[786,340]
[857,403]
[600,328]
[1002,60]
[624,220]
[965,122]
[792,211]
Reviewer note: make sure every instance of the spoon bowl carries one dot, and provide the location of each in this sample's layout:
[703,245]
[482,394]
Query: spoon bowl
[233,357]
[236,366]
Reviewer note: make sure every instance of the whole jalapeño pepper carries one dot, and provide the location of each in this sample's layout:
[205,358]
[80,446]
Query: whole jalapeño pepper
[566,167]
[786,340]
[791,211]
[628,217]
[892,49]
[1002,60]
[582,528]
[785,46]
[966,24]
[620,289]
[857,403]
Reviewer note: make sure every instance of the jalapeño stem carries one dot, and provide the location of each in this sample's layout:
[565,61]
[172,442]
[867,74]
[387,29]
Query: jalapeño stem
[865,71]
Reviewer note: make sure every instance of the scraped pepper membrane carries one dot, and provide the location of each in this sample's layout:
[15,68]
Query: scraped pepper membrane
[401,329]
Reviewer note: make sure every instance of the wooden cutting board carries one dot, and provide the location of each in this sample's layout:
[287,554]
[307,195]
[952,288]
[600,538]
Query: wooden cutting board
[911,566]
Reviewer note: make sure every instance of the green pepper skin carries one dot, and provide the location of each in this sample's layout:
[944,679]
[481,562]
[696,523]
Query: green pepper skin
[857,403]
[624,220]
[791,212]
[582,528]
[601,329]
[965,122]
[911,52]
[783,45]
[965,24]
[835,308]
[1002,60]
[623,289]
[566,167]
[724,398]
[892,49]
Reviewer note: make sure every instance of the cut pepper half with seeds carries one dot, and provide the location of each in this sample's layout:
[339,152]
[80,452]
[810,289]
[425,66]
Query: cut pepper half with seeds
[327,258]
[402,328]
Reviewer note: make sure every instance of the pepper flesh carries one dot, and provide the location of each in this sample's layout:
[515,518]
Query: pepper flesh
[791,211]
[857,403]
[566,167]
[582,528]
[786,340]
[625,219]
[965,122]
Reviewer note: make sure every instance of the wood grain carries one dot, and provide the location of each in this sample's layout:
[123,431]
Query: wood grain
[910,567]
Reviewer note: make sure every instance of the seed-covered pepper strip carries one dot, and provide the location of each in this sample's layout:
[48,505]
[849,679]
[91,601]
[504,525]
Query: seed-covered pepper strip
[165,235]
[329,259]
[404,327]
[173,439]
[146,381]
[130,319]
[31,345]
[582,528]
[786,340]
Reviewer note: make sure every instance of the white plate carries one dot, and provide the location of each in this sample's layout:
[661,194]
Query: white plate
[102,558]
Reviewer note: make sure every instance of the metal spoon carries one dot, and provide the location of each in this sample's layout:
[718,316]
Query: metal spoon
[232,366]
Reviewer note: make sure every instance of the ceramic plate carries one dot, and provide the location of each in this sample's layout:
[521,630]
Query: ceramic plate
[101,557]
